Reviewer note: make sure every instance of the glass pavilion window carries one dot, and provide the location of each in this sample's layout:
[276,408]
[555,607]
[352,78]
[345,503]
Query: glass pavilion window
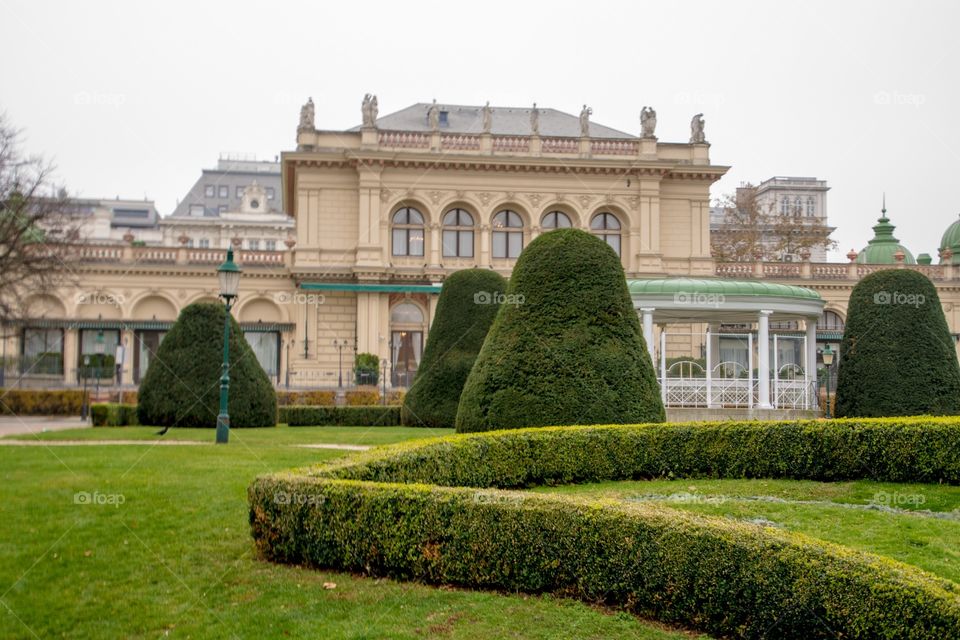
[100,364]
[507,234]
[457,234]
[146,343]
[42,352]
[556,220]
[408,232]
[266,346]
[606,227]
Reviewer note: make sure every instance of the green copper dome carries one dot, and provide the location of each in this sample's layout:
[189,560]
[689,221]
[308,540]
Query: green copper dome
[884,246]
[951,240]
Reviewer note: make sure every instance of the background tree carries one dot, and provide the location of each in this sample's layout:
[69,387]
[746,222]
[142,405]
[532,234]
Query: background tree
[467,306]
[182,385]
[897,357]
[752,229]
[38,223]
[566,346]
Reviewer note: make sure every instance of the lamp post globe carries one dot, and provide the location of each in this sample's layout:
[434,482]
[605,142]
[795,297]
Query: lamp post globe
[228,274]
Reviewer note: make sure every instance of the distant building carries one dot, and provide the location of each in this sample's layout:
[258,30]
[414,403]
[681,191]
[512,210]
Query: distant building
[237,202]
[804,198]
[115,221]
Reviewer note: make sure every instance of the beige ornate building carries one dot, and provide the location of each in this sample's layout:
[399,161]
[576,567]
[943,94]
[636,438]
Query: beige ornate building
[384,211]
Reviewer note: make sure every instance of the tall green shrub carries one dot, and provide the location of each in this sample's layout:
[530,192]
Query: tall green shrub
[182,385]
[467,306]
[566,347]
[897,357]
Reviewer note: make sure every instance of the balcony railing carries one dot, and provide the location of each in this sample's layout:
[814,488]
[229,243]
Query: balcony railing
[806,270]
[175,255]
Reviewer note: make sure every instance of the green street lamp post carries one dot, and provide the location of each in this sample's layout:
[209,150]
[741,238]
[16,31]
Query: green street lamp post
[229,275]
[827,355]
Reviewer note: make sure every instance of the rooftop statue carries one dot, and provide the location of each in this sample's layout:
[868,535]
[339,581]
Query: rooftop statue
[696,129]
[433,116]
[487,114]
[585,114]
[648,122]
[535,120]
[369,109]
[306,116]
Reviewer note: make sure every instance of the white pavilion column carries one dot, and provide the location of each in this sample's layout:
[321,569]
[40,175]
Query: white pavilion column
[810,364]
[648,330]
[763,361]
[708,361]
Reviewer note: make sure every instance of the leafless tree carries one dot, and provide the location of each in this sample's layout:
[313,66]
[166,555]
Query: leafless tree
[752,231]
[38,227]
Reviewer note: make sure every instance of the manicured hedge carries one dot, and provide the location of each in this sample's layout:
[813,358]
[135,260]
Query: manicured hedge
[39,402]
[362,397]
[566,346]
[897,356]
[378,416]
[316,398]
[466,308]
[182,385]
[725,577]
[114,415]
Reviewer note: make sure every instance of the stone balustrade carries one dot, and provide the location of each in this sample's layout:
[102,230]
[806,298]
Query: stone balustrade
[127,254]
[852,271]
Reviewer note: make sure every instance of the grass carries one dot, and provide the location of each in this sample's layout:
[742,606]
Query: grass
[170,554]
[906,530]
[281,435]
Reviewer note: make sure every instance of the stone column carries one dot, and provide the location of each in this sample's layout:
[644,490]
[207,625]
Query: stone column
[810,366]
[763,360]
[70,355]
[648,330]
[435,245]
[484,245]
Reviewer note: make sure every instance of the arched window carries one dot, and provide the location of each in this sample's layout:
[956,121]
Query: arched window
[606,227]
[811,207]
[407,232]
[556,220]
[830,321]
[507,234]
[406,343]
[457,234]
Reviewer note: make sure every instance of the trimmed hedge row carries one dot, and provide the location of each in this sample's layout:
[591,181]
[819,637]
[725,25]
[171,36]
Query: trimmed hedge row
[114,415]
[35,402]
[725,577]
[924,449]
[379,416]
[316,398]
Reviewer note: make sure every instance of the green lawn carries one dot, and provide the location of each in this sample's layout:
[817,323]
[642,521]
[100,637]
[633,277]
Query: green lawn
[168,553]
[282,435]
[922,526]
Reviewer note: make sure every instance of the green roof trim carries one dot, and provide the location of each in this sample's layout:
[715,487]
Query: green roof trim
[371,288]
[719,286]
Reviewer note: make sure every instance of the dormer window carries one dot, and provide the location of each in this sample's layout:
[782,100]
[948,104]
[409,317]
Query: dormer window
[444,118]
[254,204]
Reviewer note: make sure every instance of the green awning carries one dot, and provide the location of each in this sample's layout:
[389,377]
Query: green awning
[371,288]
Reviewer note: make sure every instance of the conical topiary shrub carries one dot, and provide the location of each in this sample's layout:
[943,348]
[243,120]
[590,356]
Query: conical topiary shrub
[897,357]
[467,306]
[566,348]
[182,385]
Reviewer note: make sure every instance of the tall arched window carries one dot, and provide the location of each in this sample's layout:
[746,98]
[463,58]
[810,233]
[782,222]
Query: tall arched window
[457,234]
[606,227]
[407,232]
[406,343]
[830,321]
[811,206]
[556,220]
[507,234]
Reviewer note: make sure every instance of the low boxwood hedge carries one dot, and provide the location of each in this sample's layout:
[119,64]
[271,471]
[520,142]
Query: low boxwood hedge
[725,577]
[114,415]
[41,402]
[376,416]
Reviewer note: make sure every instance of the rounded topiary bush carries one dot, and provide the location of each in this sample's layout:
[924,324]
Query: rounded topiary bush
[467,306]
[566,346]
[897,357]
[182,385]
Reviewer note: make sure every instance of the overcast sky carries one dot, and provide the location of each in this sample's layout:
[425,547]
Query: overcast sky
[133,99]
